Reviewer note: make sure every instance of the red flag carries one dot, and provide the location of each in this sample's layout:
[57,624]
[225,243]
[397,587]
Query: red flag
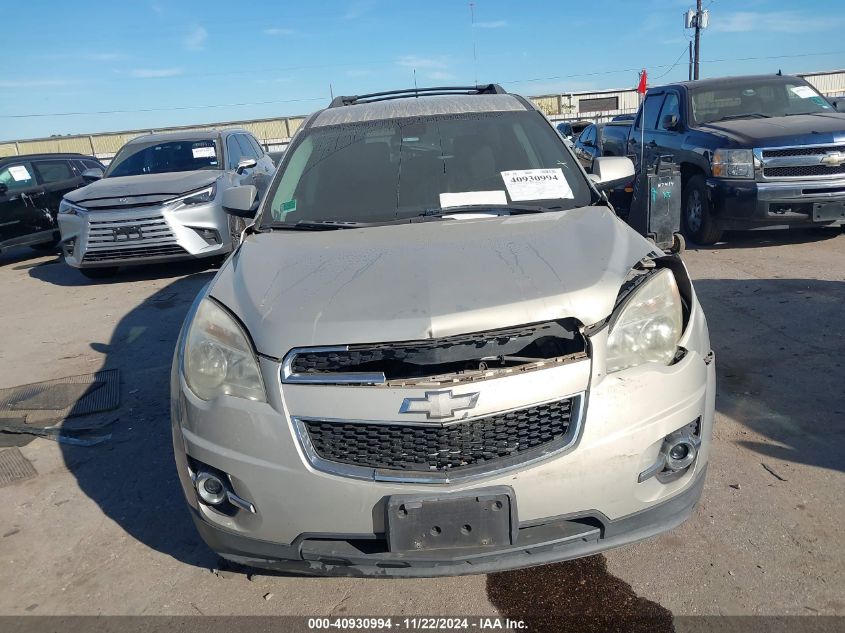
[643,79]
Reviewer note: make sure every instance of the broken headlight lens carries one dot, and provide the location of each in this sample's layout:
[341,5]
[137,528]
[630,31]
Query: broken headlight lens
[218,357]
[733,163]
[648,325]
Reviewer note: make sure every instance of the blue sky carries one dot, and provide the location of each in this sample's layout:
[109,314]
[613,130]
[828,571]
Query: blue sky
[165,62]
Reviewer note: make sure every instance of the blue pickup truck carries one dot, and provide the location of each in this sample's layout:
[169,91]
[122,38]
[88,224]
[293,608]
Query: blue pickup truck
[762,151]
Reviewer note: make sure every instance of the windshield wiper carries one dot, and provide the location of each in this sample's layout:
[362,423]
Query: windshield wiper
[507,209]
[744,115]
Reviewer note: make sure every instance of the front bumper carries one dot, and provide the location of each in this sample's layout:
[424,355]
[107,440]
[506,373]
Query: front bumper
[557,539]
[144,235]
[576,502]
[747,204]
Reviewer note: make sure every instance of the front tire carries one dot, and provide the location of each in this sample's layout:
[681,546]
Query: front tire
[99,273]
[698,221]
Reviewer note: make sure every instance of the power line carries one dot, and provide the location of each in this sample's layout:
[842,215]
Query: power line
[512,81]
[683,52]
[168,109]
[638,68]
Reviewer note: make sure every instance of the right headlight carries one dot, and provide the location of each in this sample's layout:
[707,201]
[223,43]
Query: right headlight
[68,208]
[648,324]
[218,357]
[733,163]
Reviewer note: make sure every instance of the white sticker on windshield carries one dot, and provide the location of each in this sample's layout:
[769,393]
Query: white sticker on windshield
[19,173]
[536,184]
[805,92]
[469,198]
[204,152]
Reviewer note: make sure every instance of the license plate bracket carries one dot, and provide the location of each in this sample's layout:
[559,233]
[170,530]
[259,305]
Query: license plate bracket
[828,211]
[484,518]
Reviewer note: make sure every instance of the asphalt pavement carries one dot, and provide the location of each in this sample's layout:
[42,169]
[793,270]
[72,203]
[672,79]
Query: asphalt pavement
[104,529]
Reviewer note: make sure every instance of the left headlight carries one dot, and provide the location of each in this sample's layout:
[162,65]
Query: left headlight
[733,163]
[68,208]
[218,357]
[200,196]
[648,324]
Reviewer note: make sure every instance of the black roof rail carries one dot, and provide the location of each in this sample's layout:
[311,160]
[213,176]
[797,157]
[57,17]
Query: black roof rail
[485,89]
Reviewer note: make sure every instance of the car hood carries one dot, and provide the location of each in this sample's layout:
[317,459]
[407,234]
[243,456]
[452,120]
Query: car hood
[143,189]
[426,280]
[802,129]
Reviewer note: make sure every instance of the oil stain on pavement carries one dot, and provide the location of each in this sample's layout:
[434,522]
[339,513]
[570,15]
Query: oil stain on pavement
[578,595]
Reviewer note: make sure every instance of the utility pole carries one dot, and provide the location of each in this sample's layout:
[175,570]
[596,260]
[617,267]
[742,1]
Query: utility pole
[697,38]
[698,20]
[689,73]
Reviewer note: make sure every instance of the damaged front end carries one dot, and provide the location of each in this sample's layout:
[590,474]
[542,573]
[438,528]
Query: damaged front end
[452,359]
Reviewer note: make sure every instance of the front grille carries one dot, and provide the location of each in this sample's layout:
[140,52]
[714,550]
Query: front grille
[116,254]
[801,162]
[819,150]
[134,237]
[488,442]
[803,171]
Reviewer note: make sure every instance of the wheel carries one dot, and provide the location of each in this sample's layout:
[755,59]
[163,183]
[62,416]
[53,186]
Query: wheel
[698,222]
[99,273]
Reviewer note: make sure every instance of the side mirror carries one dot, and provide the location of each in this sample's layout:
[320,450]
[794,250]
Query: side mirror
[3,188]
[670,122]
[610,172]
[246,163]
[90,175]
[839,104]
[241,201]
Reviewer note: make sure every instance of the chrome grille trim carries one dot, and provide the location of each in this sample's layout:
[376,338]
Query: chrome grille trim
[536,455]
[147,235]
[800,162]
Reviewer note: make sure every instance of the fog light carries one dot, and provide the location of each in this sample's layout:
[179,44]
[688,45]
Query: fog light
[210,489]
[679,452]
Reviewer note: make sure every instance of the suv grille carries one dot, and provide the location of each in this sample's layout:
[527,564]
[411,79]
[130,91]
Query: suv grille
[130,238]
[492,441]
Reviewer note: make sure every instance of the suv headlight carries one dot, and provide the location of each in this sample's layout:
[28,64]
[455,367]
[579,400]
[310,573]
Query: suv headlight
[733,163]
[68,208]
[218,357]
[200,196]
[648,325]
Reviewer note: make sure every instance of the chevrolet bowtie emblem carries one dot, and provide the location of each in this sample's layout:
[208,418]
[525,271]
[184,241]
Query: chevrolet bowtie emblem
[439,404]
[833,159]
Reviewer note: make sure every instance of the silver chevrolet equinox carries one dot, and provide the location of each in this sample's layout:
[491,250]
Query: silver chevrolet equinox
[438,351]
[160,201]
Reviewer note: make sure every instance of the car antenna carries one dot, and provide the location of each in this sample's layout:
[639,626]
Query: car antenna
[416,90]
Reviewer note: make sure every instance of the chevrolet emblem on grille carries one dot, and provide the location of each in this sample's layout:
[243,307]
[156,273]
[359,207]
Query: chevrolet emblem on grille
[439,404]
[833,159]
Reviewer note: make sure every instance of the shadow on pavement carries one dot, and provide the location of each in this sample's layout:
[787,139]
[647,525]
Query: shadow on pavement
[759,239]
[68,276]
[577,595]
[780,360]
[132,477]
[23,257]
